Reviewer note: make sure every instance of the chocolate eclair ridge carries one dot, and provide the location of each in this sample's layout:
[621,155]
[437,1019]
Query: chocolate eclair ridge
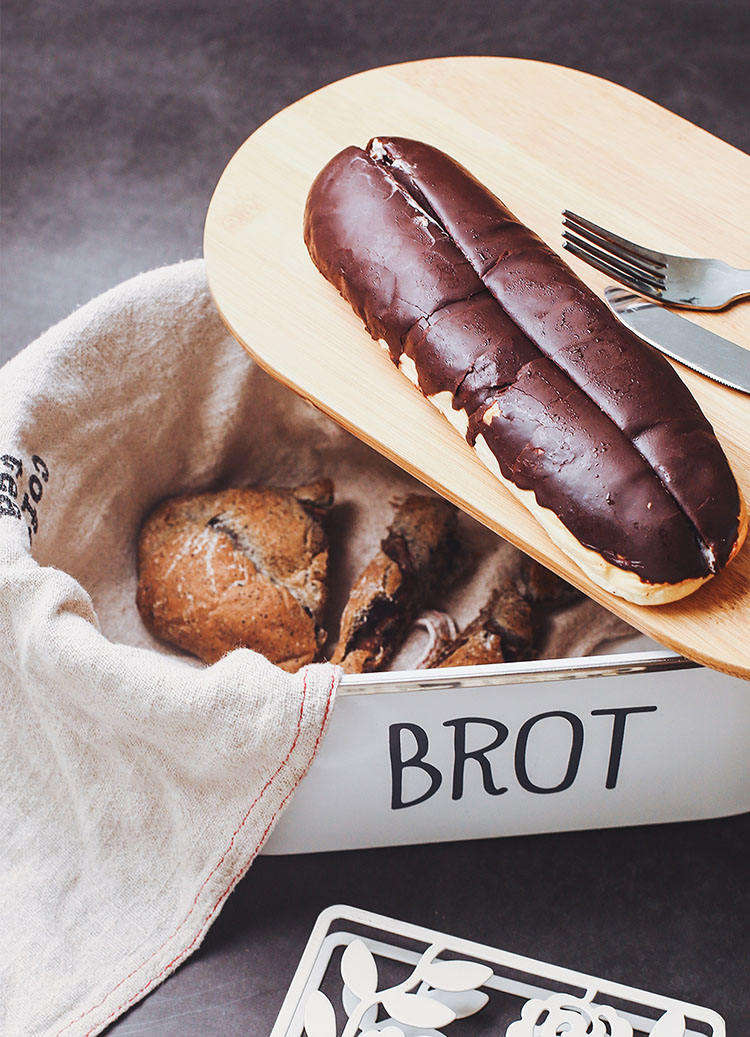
[573,457]
[633,587]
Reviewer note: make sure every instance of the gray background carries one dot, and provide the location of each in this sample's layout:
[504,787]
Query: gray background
[117,121]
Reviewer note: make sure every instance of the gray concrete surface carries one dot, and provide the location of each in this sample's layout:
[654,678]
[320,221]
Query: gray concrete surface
[117,121]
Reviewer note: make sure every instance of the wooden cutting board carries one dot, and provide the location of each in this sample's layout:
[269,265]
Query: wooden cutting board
[543,138]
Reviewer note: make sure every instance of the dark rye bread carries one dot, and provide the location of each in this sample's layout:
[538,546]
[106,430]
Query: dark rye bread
[502,632]
[418,555]
[589,426]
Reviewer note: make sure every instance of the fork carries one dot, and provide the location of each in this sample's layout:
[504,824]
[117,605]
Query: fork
[697,284]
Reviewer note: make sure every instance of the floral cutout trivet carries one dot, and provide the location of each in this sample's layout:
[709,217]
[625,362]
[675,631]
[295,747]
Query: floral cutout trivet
[365,975]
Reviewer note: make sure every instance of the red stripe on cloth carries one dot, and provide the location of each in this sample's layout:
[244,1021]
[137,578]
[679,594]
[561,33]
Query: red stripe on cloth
[233,881]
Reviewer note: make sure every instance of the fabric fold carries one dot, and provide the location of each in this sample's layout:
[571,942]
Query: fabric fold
[137,785]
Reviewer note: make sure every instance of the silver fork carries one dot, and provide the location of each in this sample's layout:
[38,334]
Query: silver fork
[697,284]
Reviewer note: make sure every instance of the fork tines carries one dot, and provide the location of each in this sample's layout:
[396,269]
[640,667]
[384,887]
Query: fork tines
[631,264]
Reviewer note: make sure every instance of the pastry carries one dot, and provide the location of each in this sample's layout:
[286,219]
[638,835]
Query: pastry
[240,568]
[589,427]
[417,556]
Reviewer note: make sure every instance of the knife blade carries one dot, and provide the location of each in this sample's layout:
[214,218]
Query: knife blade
[705,352]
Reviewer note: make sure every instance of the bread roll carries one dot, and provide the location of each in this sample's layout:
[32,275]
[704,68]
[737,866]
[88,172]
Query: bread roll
[238,569]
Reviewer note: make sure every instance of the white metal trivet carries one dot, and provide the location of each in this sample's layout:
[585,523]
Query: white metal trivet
[365,975]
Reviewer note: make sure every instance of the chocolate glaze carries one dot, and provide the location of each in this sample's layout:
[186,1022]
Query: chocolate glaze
[555,441]
[628,380]
[376,239]
[470,348]
[352,240]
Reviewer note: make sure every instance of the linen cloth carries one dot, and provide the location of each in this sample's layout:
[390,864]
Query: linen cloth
[136,785]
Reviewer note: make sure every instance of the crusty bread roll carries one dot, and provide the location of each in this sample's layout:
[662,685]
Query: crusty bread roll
[589,427]
[239,568]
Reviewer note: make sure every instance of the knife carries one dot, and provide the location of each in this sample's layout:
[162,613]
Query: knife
[707,353]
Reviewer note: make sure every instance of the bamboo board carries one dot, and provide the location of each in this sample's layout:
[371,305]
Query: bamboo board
[543,138]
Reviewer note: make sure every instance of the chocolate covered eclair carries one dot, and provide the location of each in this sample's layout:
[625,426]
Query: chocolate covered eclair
[588,426]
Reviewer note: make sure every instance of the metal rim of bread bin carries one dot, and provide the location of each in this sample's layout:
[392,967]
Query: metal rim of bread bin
[367,965]
[522,748]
